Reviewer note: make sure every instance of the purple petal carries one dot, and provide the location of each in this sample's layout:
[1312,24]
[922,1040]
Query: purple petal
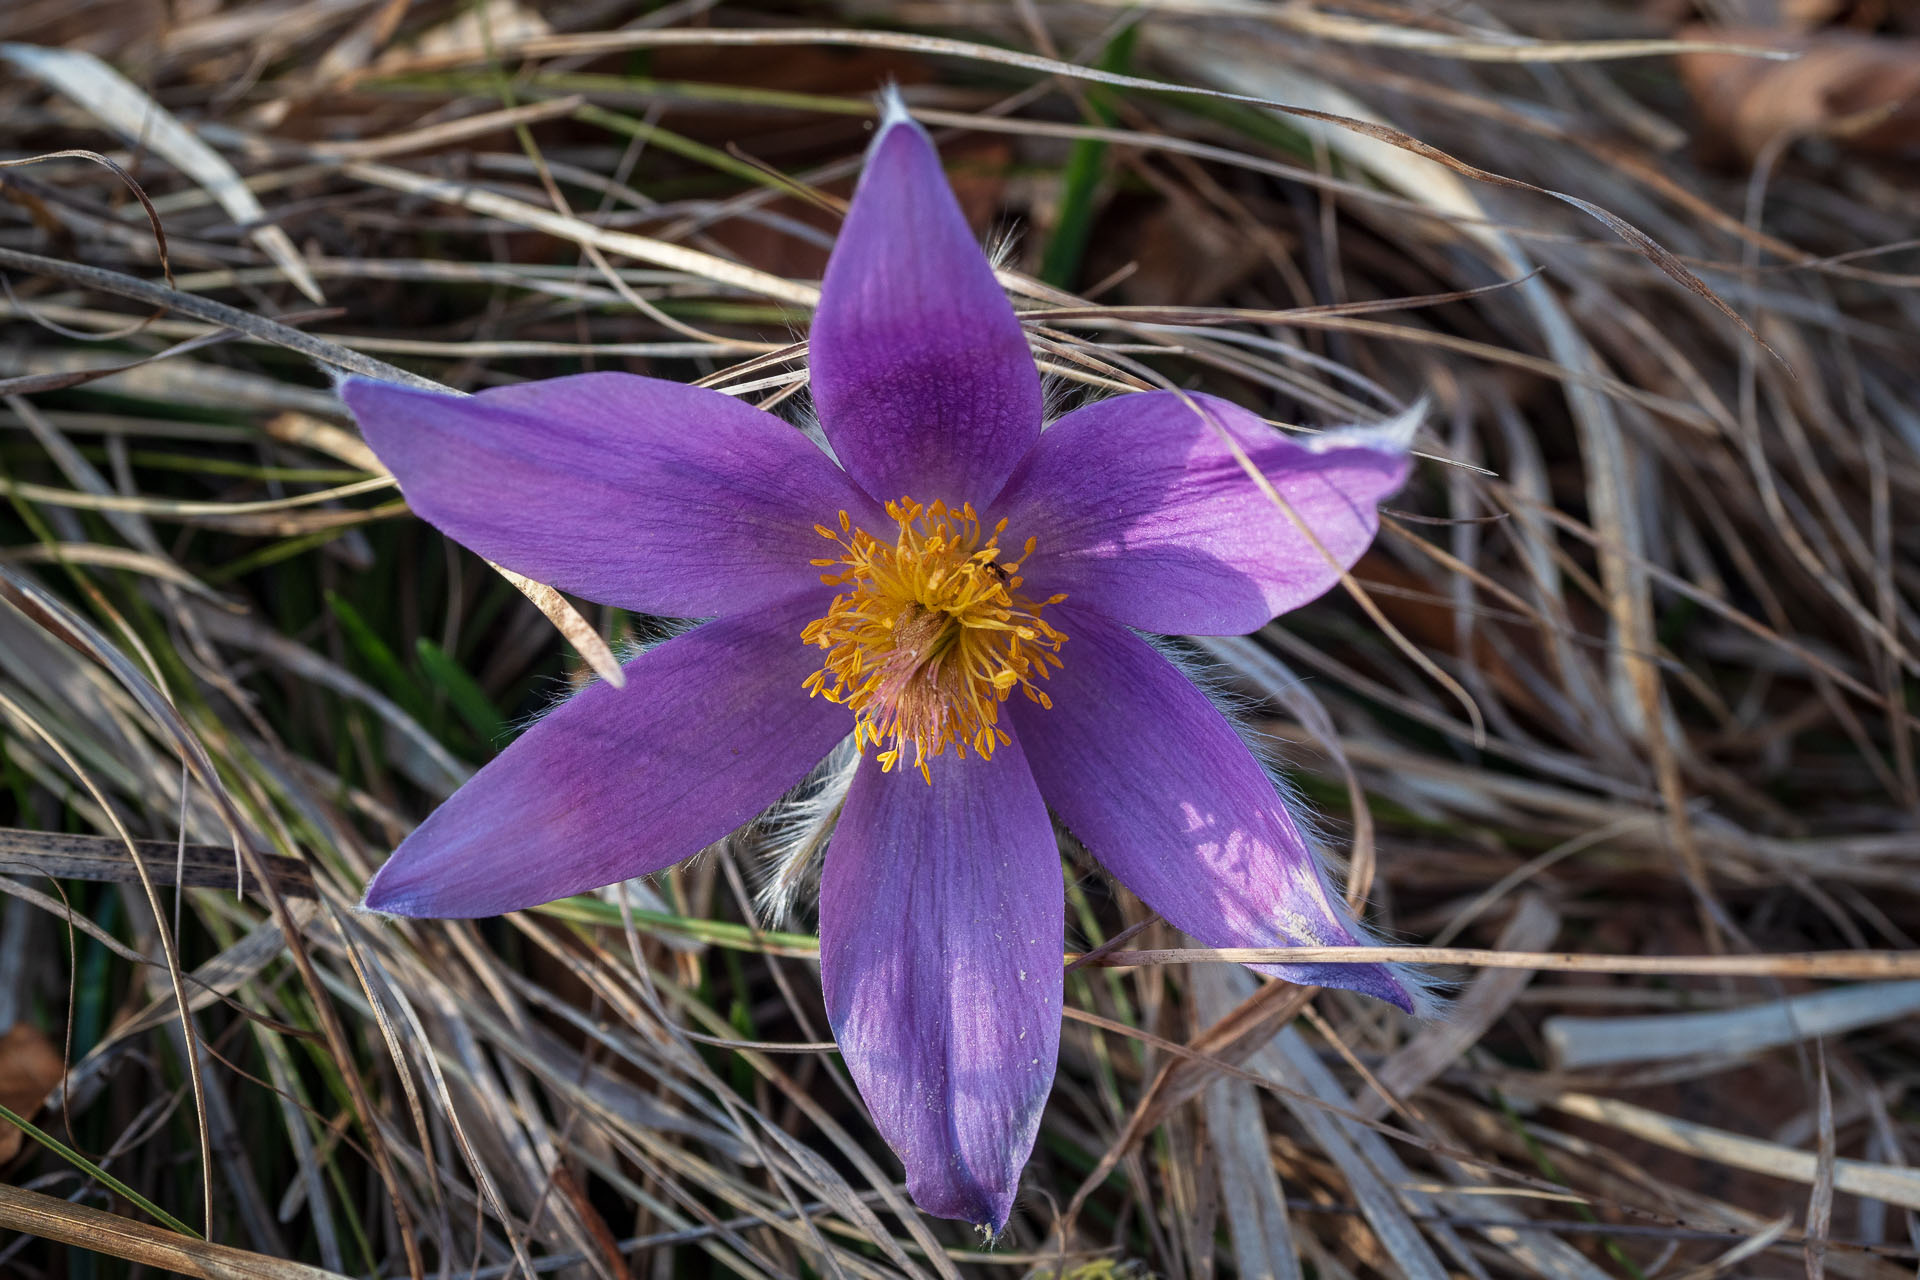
[1153,780]
[631,491]
[1141,511]
[920,371]
[941,914]
[711,728]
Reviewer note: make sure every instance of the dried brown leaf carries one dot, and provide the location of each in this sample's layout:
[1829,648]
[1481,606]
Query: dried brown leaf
[30,1067]
[1863,91]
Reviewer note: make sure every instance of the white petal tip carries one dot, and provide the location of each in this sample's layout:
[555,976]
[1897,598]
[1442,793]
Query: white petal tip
[893,107]
[1427,993]
[365,910]
[1393,435]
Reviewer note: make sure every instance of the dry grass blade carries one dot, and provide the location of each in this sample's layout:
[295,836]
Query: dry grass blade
[1423,1058]
[1580,1043]
[1831,964]
[640,248]
[567,620]
[1361,1156]
[1492,46]
[1672,869]
[83,1227]
[213,312]
[97,88]
[1892,1184]
[139,193]
[1263,1242]
[64,857]
[549,46]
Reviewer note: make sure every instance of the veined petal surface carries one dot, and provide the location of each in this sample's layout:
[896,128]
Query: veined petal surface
[920,371]
[941,918]
[631,491]
[710,729]
[1141,511]
[1153,780]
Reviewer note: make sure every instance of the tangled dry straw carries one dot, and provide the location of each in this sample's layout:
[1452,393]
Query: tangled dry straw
[1629,676]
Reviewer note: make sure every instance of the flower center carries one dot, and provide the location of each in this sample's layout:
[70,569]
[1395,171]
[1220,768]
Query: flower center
[931,634]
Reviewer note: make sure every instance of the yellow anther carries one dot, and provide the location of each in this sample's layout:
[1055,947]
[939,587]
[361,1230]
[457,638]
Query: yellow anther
[930,634]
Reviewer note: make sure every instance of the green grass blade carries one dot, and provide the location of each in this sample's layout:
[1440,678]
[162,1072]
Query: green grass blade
[469,700]
[93,1170]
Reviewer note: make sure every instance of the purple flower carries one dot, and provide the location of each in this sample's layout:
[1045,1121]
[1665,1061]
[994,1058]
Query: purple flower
[960,593]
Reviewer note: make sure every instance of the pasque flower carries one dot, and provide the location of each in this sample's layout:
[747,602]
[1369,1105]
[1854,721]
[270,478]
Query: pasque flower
[957,590]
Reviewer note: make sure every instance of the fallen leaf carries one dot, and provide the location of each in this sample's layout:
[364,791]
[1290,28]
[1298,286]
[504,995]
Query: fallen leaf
[1863,91]
[1792,15]
[473,28]
[30,1067]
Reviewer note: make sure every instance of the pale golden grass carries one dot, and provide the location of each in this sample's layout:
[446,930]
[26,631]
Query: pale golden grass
[1614,729]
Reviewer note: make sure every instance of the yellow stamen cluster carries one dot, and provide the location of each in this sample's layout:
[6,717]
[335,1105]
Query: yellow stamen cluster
[931,635]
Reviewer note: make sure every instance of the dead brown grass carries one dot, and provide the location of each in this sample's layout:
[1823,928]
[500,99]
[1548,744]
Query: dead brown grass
[1630,675]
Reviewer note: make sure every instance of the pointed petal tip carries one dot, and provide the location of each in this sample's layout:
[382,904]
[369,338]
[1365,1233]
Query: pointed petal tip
[349,385]
[1426,995]
[921,372]
[1406,987]
[355,384]
[942,971]
[962,1199]
[365,909]
[394,894]
[1187,818]
[714,726]
[896,118]
[1144,511]
[385,902]
[542,477]
[893,108]
[365,397]
[1390,435]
